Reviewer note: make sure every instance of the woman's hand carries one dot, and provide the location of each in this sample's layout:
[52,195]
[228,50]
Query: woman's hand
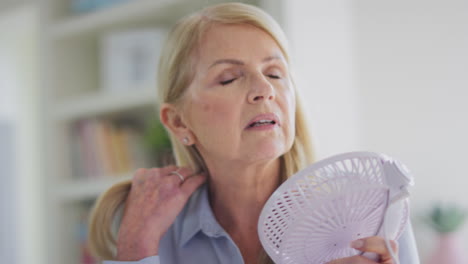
[373,244]
[156,198]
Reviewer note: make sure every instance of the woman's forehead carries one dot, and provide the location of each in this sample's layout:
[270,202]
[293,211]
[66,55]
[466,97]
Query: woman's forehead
[235,42]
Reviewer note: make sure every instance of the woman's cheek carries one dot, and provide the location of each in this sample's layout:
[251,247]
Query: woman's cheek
[290,99]
[215,113]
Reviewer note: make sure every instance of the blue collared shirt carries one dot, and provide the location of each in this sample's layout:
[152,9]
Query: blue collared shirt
[196,237]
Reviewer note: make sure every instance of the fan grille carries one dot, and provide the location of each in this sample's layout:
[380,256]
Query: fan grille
[326,232]
[344,192]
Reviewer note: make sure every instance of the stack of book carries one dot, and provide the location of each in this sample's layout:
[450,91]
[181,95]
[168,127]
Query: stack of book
[101,147]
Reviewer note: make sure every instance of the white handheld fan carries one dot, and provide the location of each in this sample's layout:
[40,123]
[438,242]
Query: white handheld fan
[314,215]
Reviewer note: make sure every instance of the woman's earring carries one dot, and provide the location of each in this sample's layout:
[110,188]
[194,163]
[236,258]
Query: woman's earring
[185,140]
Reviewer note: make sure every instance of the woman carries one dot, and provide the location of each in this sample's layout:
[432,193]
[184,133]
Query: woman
[236,124]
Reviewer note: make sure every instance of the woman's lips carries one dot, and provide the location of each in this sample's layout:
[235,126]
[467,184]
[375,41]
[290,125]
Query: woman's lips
[263,122]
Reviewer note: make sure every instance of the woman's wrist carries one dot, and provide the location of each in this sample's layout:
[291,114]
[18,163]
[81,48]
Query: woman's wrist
[137,250]
[135,256]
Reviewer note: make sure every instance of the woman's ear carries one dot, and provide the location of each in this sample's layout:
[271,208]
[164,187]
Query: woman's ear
[172,119]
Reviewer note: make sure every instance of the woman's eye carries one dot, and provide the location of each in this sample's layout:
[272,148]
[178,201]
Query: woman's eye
[274,76]
[227,81]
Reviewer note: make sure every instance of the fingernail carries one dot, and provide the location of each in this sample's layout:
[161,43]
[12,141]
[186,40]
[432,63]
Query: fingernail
[357,243]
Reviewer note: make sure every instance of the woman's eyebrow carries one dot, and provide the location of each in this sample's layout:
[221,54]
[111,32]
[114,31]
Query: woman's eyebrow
[228,61]
[270,58]
[239,62]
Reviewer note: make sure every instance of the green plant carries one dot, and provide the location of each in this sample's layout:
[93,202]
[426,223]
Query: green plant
[156,137]
[446,218]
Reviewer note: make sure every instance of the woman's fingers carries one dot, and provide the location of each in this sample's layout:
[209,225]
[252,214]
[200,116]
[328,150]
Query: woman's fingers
[185,179]
[168,169]
[377,245]
[156,197]
[181,174]
[373,244]
[352,260]
[191,183]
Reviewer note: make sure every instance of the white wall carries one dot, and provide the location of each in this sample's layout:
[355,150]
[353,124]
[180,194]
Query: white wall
[19,116]
[412,76]
[321,36]
[392,77]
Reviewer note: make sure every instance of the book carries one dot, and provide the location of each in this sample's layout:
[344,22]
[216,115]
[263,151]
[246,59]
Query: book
[101,148]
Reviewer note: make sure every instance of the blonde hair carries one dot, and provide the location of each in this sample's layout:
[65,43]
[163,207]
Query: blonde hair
[174,76]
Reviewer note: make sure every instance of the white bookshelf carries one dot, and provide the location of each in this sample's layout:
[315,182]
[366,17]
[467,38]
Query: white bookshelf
[100,103]
[87,189]
[120,14]
[72,92]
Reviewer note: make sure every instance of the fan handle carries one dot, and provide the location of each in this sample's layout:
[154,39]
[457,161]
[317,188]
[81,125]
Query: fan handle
[398,178]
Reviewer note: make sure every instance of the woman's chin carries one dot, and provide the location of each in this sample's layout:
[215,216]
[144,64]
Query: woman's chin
[265,152]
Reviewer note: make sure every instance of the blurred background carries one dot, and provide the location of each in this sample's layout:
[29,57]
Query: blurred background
[77,104]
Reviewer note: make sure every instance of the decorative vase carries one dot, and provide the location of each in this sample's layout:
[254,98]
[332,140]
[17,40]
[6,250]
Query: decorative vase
[448,250]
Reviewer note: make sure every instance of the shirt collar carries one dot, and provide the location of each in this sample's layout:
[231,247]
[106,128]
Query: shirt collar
[199,217]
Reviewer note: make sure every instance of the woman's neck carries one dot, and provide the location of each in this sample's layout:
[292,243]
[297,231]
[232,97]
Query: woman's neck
[238,195]
[237,198]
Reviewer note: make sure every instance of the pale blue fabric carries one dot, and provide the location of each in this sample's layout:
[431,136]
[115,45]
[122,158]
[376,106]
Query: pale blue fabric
[196,237]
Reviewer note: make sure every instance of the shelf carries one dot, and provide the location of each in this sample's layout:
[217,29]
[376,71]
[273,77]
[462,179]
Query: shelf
[102,103]
[86,189]
[122,13]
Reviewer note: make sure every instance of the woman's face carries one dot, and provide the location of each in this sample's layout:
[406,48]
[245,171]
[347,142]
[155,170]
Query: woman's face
[241,103]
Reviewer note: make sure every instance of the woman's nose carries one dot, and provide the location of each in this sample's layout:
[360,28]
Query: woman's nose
[261,89]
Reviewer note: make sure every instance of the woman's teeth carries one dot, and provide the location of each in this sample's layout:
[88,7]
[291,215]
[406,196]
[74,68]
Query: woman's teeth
[262,122]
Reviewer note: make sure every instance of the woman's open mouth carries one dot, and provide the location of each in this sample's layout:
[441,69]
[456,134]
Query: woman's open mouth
[263,121]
